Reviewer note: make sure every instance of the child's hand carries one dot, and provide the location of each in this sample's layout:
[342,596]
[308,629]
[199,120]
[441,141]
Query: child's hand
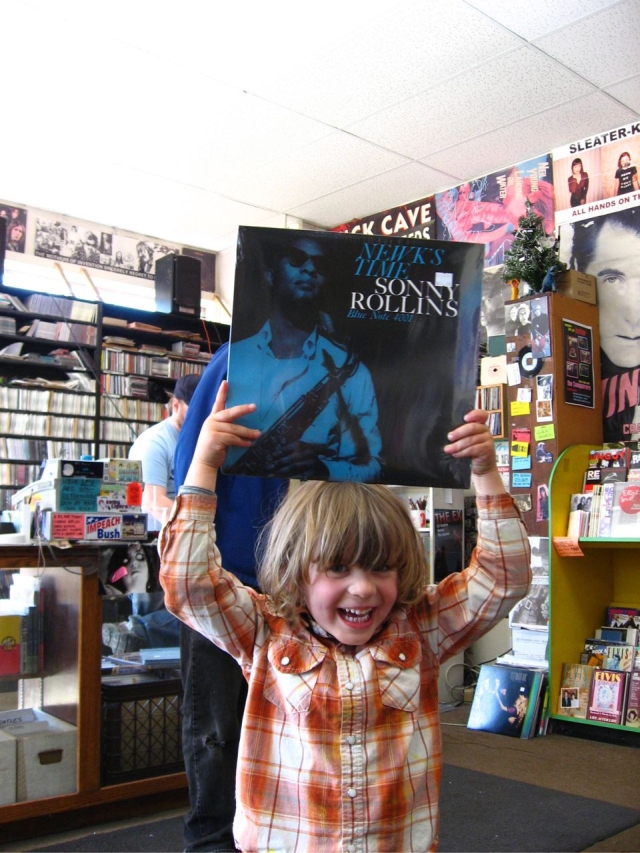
[473,439]
[218,432]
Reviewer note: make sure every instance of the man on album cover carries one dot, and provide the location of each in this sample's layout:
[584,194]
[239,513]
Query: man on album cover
[316,402]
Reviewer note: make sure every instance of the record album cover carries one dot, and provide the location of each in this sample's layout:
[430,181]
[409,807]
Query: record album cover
[505,700]
[360,353]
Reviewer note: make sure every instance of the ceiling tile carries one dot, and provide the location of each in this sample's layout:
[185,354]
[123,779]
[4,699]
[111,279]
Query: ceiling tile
[396,187]
[240,43]
[330,164]
[627,92]
[532,20]
[531,137]
[389,60]
[501,91]
[602,48]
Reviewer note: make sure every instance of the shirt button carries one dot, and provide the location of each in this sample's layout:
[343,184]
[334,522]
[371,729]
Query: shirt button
[351,792]
[351,740]
[402,656]
[284,661]
[349,685]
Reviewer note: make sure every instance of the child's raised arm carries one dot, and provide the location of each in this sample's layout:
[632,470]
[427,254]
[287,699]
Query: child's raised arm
[218,432]
[473,439]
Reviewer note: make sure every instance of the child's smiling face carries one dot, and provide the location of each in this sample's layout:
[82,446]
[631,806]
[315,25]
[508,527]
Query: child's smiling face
[349,602]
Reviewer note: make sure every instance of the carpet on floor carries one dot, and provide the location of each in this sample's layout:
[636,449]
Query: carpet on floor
[479,812]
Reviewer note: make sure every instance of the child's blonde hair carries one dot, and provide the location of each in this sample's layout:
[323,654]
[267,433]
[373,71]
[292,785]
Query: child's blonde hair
[333,523]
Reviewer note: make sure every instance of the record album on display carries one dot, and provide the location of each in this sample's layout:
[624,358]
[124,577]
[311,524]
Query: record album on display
[359,351]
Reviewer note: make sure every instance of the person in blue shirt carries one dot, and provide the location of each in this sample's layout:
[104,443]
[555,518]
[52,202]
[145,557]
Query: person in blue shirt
[213,684]
[155,448]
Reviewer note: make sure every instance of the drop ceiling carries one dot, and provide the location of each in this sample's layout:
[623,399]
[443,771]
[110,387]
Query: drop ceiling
[183,120]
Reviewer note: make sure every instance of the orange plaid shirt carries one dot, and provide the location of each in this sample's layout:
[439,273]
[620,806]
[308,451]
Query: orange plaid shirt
[340,749]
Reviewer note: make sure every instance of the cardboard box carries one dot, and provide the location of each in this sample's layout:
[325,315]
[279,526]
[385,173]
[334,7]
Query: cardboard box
[46,760]
[8,759]
[577,285]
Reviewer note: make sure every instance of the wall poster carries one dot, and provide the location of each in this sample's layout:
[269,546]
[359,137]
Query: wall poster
[578,373]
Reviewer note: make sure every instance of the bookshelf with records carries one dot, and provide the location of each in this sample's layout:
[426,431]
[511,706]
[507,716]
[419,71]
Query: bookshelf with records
[491,399]
[143,353]
[82,378]
[48,383]
[593,579]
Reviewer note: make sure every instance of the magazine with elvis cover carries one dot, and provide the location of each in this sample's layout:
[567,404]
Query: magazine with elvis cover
[360,353]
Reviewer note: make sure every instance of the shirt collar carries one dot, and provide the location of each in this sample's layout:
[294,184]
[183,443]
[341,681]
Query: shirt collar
[309,348]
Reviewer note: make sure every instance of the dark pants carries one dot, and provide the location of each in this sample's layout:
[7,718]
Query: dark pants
[215,691]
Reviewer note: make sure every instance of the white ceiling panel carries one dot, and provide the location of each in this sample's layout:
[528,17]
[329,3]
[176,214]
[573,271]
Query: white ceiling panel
[532,20]
[494,94]
[393,188]
[598,47]
[328,165]
[627,92]
[184,121]
[390,60]
[512,144]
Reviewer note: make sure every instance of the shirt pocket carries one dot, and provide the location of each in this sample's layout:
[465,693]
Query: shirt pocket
[398,668]
[292,675]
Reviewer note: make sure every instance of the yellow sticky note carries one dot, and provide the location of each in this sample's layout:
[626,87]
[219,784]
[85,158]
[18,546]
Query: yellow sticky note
[519,448]
[520,408]
[544,432]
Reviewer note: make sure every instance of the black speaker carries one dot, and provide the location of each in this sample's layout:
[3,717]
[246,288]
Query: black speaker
[178,285]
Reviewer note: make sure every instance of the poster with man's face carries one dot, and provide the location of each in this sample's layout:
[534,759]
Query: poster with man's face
[608,247]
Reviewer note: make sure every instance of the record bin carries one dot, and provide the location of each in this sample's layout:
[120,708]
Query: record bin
[141,727]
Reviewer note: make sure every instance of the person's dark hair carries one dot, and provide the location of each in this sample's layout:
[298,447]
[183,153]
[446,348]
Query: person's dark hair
[91,238]
[586,233]
[185,387]
[577,162]
[624,154]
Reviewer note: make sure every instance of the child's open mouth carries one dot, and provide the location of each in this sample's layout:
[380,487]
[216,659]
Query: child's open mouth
[355,617]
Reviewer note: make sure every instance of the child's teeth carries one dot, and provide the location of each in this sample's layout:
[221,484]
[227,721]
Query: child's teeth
[357,614]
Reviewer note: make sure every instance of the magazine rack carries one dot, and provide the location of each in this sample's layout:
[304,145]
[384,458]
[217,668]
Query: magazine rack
[582,587]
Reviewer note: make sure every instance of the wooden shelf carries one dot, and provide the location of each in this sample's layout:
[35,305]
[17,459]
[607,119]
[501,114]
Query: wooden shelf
[71,689]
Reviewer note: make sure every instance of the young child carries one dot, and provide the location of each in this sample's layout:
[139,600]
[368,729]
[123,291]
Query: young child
[341,747]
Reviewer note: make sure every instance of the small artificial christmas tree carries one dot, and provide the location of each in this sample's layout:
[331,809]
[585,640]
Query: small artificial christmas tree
[533,254]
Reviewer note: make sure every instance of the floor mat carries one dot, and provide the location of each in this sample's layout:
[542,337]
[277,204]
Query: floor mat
[480,812]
